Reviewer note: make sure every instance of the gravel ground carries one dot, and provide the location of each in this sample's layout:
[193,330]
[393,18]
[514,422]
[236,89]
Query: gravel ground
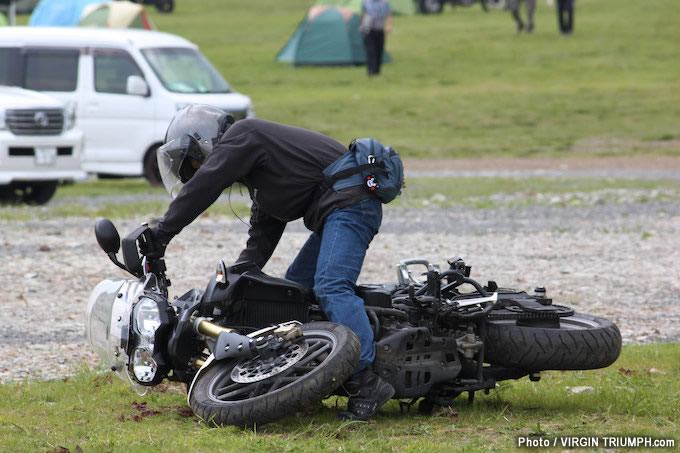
[612,254]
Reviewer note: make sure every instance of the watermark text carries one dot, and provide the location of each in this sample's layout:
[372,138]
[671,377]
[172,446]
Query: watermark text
[594,442]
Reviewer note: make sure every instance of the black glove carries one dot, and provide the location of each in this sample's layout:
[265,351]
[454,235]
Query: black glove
[151,247]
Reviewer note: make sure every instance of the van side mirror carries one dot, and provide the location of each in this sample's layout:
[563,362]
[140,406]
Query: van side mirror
[137,86]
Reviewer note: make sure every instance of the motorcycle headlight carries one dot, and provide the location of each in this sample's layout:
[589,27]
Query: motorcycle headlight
[107,321]
[143,365]
[147,319]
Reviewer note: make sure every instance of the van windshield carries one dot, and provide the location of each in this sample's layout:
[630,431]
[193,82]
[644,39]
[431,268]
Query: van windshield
[185,70]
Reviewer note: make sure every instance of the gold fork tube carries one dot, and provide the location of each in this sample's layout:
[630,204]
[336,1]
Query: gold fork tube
[209,329]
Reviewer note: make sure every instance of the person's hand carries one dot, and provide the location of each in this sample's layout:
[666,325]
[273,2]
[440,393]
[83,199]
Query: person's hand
[151,247]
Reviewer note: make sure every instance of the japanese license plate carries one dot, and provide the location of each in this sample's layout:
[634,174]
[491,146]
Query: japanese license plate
[45,155]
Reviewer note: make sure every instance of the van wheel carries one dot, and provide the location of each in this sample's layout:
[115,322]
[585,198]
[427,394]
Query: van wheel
[431,6]
[8,194]
[165,6]
[40,192]
[30,192]
[151,172]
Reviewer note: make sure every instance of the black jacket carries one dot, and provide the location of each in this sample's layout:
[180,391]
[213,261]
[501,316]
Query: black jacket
[281,166]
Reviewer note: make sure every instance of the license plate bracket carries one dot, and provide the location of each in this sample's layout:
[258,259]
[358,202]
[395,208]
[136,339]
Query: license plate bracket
[45,155]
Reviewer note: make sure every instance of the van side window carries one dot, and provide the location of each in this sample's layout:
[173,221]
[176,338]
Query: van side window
[51,70]
[111,70]
[10,66]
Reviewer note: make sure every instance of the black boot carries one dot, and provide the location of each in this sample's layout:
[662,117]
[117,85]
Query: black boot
[367,393]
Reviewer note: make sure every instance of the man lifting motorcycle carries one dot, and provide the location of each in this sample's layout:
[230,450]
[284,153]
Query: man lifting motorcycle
[206,152]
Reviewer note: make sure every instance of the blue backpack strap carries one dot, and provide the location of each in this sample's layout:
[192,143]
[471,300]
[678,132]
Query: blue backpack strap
[330,180]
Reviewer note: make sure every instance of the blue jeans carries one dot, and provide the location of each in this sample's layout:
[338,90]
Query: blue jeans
[331,264]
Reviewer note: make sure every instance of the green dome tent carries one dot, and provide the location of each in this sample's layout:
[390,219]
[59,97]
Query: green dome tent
[327,36]
[402,7]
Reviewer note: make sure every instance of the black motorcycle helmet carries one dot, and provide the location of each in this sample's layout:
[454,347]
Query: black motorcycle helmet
[191,135]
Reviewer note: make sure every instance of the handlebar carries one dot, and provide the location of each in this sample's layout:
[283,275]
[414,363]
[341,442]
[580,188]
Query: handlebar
[406,277]
[131,258]
[138,239]
[460,279]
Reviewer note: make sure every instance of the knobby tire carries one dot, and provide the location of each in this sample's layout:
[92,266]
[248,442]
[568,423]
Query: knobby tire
[283,394]
[582,342]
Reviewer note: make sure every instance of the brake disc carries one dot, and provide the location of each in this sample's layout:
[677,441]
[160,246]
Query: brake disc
[259,369]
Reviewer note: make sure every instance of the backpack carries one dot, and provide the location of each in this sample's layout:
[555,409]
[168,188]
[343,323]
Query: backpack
[369,163]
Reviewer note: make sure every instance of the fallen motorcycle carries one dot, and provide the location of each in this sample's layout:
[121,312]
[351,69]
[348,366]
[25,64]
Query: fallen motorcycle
[253,348]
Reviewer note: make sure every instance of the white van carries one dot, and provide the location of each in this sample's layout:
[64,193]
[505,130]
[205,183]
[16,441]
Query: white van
[125,85]
[39,147]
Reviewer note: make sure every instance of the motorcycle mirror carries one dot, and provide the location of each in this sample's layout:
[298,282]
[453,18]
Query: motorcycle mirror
[107,236]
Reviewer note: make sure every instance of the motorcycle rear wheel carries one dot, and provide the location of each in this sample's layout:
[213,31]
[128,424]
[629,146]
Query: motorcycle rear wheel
[582,342]
[331,358]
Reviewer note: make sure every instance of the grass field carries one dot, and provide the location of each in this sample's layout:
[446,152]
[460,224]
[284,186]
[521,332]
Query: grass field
[637,396]
[463,84]
[137,198]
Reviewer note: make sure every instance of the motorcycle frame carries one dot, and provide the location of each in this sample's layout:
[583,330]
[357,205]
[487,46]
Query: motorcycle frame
[418,355]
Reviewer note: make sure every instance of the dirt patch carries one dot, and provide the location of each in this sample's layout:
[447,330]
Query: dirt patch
[572,163]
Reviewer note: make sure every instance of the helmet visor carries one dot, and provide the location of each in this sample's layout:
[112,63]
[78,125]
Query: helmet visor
[175,162]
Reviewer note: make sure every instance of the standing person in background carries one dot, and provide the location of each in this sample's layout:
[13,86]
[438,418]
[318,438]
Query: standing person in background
[376,20]
[565,16]
[513,6]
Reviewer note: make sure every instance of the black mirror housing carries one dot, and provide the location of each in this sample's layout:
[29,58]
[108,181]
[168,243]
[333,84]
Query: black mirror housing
[107,236]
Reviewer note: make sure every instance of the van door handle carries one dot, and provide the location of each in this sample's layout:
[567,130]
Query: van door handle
[92,106]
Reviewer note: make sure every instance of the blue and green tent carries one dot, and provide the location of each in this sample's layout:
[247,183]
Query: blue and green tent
[328,35]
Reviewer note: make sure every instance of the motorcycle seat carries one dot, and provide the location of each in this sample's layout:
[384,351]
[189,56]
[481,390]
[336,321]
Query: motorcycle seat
[247,276]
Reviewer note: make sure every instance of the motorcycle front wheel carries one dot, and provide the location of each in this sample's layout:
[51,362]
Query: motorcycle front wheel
[581,342]
[221,397]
